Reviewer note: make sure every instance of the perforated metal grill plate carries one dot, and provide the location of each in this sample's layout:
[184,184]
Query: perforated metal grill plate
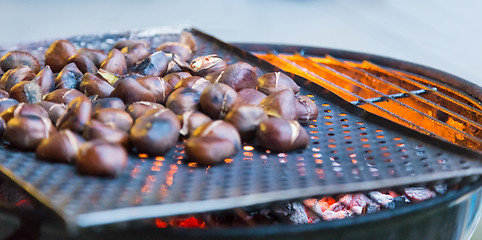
[350,150]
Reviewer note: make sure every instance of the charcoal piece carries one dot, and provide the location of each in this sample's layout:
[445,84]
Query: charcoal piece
[371,208]
[418,194]
[296,212]
[397,202]
[385,200]
[440,188]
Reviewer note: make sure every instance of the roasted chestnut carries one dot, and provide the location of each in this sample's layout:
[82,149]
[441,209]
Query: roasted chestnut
[45,79]
[64,96]
[281,104]
[188,39]
[110,102]
[163,113]
[219,129]
[282,135]
[250,96]
[6,103]
[306,109]
[77,115]
[130,43]
[160,88]
[54,110]
[26,132]
[238,76]
[183,100]
[130,91]
[115,118]
[28,92]
[154,136]
[192,120]
[217,99]
[58,54]
[154,65]
[137,109]
[97,130]
[101,158]
[174,78]
[96,56]
[15,59]
[246,119]
[209,150]
[276,81]
[177,48]
[135,53]
[84,63]
[60,147]
[115,63]
[92,85]
[205,65]
[69,77]
[194,82]
[24,109]
[14,76]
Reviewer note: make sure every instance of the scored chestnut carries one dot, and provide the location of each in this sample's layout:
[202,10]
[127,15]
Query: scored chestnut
[97,130]
[115,118]
[280,104]
[64,96]
[77,115]
[101,158]
[238,76]
[175,77]
[24,109]
[177,48]
[194,82]
[209,150]
[59,147]
[84,63]
[205,65]
[160,88]
[306,109]
[25,91]
[183,100]
[69,77]
[96,56]
[276,81]
[282,135]
[115,63]
[130,91]
[246,119]
[109,102]
[54,110]
[250,96]
[221,129]
[92,85]
[14,76]
[137,109]
[192,120]
[45,79]
[217,100]
[135,53]
[154,65]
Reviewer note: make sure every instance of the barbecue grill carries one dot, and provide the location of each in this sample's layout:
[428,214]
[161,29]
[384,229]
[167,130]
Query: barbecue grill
[383,124]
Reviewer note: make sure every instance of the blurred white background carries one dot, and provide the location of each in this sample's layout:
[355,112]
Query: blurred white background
[446,35]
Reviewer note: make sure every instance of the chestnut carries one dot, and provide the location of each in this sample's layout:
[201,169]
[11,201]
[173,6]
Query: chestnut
[110,102]
[130,91]
[221,129]
[160,88]
[217,99]
[154,136]
[250,96]
[238,76]
[26,132]
[280,104]
[135,53]
[3,94]
[282,135]
[64,96]
[69,77]
[24,109]
[115,118]
[58,54]
[45,79]
[137,109]
[97,130]
[101,158]
[14,76]
[131,42]
[188,39]
[28,92]
[96,56]
[84,63]
[59,147]
[54,110]
[174,78]
[154,65]
[6,103]
[92,85]
[183,100]
[192,120]
[209,150]
[77,115]
[246,119]
[163,113]
[306,109]
[179,49]
[194,82]
[15,59]
[205,65]
[115,63]
[276,81]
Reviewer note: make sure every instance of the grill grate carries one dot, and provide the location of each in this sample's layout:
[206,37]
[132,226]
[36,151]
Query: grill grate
[350,150]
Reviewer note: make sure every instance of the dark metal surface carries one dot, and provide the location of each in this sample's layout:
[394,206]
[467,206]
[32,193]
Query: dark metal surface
[350,150]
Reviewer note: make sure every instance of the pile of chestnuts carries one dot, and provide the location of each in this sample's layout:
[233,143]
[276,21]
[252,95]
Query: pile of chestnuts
[89,108]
